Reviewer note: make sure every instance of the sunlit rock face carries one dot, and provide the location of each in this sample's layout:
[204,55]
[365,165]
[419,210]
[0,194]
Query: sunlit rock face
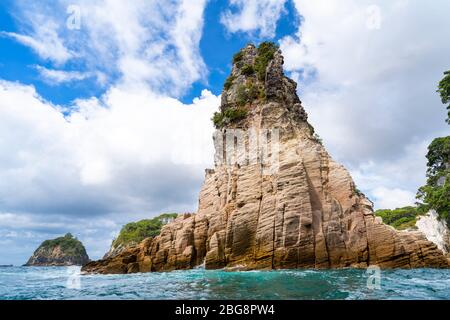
[435,230]
[276,199]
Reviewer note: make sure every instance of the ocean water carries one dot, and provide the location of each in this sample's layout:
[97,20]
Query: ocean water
[66,283]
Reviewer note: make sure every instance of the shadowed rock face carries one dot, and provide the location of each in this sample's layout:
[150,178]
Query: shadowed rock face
[290,206]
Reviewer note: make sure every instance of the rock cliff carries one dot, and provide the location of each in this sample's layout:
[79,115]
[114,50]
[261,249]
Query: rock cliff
[435,230]
[62,251]
[275,198]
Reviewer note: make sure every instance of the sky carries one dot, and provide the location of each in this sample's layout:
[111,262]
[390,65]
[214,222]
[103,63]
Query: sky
[105,107]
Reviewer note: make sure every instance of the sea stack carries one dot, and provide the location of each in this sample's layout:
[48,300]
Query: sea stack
[275,199]
[62,251]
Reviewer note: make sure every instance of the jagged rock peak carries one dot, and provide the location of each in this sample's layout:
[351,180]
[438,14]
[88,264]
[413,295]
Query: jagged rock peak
[257,79]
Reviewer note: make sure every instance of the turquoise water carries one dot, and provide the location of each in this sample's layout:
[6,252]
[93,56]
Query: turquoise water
[65,283]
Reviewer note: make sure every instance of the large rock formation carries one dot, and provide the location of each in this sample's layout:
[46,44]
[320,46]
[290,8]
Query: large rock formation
[62,251]
[275,198]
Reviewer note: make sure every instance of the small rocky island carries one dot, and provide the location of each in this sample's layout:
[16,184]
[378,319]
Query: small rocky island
[62,251]
[300,209]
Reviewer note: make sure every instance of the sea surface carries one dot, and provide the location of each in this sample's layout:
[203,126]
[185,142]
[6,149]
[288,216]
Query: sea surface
[66,283]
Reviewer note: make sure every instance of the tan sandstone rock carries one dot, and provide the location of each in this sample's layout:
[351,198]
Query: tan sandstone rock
[282,202]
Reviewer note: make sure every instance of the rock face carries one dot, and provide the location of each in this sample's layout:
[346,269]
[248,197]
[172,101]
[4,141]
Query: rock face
[275,198]
[63,251]
[435,230]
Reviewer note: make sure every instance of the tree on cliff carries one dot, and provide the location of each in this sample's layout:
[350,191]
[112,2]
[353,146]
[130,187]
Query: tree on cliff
[436,193]
[444,91]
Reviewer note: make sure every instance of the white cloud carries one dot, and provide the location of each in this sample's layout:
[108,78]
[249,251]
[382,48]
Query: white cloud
[393,198]
[56,77]
[44,40]
[368,76]
[129,155]
[140,41]
[50,158]
[253,16]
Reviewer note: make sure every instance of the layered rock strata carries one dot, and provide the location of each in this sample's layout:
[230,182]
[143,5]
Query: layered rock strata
[275,199]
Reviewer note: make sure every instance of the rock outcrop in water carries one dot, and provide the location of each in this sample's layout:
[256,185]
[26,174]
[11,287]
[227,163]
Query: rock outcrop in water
[275,198]
[62,251]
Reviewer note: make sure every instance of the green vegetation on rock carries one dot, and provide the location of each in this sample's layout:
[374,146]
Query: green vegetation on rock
[229,115]
[400,218]
[248,91]
[238,57]
[444,92]
[229,82]
[266,52]
[135,232]
[247,70]
[436,193]
[69,245]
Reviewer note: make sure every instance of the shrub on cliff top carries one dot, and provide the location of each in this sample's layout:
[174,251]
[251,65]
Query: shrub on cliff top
[220,119]
[68,244]
[436,193]
[266,52]
[400,218]
[135,232]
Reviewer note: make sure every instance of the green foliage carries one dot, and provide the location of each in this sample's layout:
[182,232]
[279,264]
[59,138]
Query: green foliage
[318,138]
[266,52]
[444,92]
[248,93]
[400,218]
[229,82]
[437,197]
[436,193]
[438,157]
[69,245]
[135,232]
[238,57]
[231,114]
[247,70]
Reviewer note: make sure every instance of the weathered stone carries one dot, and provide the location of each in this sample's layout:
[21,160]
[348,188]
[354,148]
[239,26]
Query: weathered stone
[304,213]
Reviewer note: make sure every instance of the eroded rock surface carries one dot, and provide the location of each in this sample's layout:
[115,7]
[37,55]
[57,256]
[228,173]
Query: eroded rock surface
[287,205]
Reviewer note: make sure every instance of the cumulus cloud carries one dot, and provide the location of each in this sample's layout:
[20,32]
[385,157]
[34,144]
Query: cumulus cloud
[123,156]
[367,77]
[258,17]
[126,155]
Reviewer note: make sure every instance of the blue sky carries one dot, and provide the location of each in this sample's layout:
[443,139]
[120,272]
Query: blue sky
[18,62]
[110,123]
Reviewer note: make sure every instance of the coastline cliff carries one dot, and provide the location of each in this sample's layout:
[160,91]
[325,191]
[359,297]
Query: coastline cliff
[275,198]
[62,251]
